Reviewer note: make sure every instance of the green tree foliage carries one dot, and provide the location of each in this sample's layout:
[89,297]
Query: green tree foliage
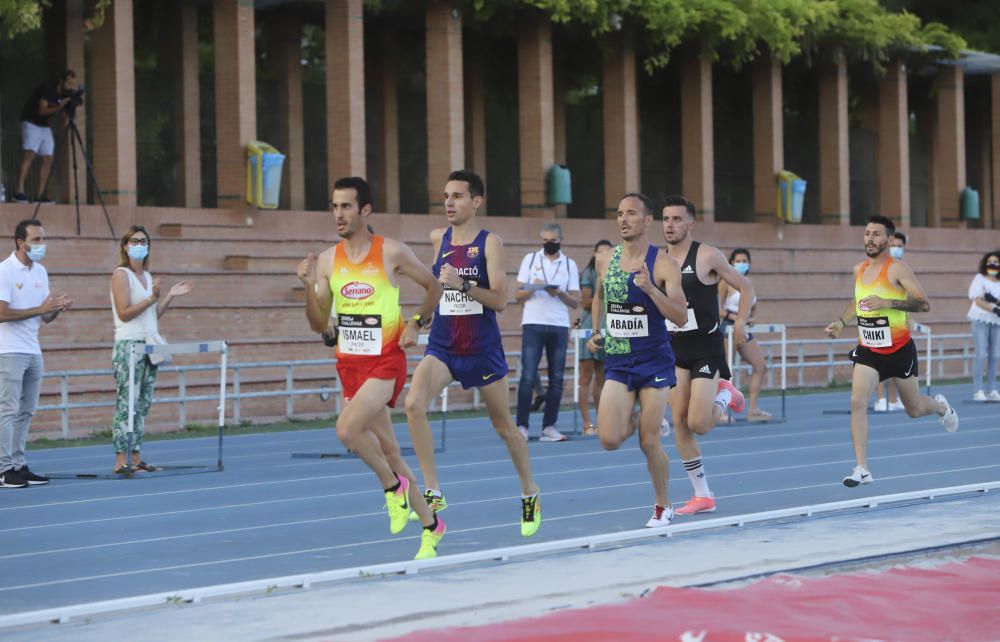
[20,16]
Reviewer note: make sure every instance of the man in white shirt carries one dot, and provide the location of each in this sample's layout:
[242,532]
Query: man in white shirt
[24,303]
[548,284]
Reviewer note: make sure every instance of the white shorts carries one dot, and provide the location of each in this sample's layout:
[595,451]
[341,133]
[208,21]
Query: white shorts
[37,139]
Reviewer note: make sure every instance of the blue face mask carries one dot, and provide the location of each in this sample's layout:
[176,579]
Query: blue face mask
[896,252]
[36,252]
[138,252]
[742,268]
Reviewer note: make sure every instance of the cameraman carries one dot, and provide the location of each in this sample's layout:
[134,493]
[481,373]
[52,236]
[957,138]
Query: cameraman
[36,135]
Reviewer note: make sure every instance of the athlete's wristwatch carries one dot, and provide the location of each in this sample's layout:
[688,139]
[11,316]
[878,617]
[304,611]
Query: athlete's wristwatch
[466,286]
[419,319]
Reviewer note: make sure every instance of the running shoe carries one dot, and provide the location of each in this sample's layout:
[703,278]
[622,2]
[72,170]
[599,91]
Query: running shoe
[661,516]
[896,406]
[858,476]
[12,479]
[20,197]
[399,508]
[664,427]
[881,405]
[737,402]
[551,434]
[429,541]
[697,505]
[950,418]
[531,515]
[436,502]
[979,396]
[524,432]
[33,479]
[993,396]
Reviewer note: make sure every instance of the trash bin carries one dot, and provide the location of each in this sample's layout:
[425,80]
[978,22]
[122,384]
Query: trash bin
[791,196]
[264,164]
[968,204]
[559,186]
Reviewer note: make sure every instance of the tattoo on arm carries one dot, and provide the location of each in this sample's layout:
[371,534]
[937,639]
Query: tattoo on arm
[911,304]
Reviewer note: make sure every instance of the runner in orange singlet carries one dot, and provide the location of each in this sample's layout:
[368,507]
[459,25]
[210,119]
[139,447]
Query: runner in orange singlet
[885,290]
[359,279]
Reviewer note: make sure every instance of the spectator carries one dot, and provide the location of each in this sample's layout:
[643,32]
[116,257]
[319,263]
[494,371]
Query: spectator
[24,303]
[749,351]
[591,363]
[549,286]
[883,404]
[984,313]
[136,306]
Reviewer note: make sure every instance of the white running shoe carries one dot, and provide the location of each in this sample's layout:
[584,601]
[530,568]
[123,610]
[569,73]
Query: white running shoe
[950,418]
[994,395]
[896,406]
[859,476]
[551,434]
[662,515]
[881,405]
[664,428]
[524,432]
[979,396]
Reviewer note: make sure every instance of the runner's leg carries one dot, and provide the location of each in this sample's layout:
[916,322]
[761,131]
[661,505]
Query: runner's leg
[496,397]
[653,403]
[863,382]
[429,379]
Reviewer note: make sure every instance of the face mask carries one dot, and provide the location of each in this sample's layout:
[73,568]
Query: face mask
[992,271]
[896,252]
[552,247]
[36,252]
[742,268]
[138,252]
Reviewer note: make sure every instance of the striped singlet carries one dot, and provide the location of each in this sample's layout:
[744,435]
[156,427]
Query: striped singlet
[883,331]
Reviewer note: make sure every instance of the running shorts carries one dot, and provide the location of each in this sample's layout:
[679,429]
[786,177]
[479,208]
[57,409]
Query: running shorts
[703,354]
[647,369]
[355,370]
[901,364]
[472,370]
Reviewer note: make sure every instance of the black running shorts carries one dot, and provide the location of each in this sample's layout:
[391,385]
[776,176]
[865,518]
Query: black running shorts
[901,364]
[702,354]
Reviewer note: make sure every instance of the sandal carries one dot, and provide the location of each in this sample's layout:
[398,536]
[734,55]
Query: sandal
[590,429]
[146,467]
[758,416]
[123,470]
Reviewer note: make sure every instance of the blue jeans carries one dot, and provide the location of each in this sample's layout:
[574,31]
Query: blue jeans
[986,339]
[534,339]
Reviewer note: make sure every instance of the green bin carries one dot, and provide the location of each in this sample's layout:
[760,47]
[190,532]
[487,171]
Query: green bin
[968,204]
[560,186]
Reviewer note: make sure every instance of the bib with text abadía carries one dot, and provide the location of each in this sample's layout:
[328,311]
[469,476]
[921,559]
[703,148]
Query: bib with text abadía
[360,334]
[874,332]
[689,325]
[626,321]
[456,304]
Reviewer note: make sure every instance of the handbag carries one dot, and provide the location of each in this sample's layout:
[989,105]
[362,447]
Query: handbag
[156,339]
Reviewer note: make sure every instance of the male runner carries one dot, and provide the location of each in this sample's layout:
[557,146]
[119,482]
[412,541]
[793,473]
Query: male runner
[464,343]
[703,391]
[637,288]
[885,289]
[891,402]
[359,278]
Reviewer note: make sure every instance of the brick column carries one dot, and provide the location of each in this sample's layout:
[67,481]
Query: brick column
[113,101]
[894,145]
[289,40]
[235,97]
[345,89]
[992,219]
[475,119]
[65,43]
[834,165]
[445,99]
[535,113]
[768,137]
[388,130]
[697,141]
[185,60]
[621,122]
[949,147]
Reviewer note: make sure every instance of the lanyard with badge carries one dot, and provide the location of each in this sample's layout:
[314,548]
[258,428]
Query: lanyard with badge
[541,266]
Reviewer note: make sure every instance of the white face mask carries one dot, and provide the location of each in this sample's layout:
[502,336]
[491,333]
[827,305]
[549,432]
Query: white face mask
[36,252]
[896,251]
[138,252]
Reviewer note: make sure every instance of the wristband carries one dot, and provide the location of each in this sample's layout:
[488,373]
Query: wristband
[842,322]
[419,320]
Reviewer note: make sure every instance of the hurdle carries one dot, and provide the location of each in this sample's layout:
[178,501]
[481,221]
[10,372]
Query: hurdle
[405,450]
[765,328]
[136,352]
[918,329]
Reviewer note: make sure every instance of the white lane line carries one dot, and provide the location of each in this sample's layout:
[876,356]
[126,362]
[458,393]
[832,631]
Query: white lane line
[510,525]
[491,499]
[504,461]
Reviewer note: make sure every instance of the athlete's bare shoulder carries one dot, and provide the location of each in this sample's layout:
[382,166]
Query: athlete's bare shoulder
[601,261]
[858,266]
[437,234]
[495,240]
[324,262]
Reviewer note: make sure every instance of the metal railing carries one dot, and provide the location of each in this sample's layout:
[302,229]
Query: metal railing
[798,360]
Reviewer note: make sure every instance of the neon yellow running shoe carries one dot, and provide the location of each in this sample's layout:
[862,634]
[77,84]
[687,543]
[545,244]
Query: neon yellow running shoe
[436,502]
[531,515]
[429,541]
[399,508]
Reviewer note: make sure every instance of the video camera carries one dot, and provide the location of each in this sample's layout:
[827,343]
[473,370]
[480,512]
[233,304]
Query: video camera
[75,100]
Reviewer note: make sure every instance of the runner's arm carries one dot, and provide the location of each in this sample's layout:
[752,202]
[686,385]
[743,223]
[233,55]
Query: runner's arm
[668,295]
[405,262]
[494,297]
[916,298]
[597,307]
[315,276]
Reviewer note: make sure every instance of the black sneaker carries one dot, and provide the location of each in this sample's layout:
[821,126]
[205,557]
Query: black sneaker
[32,478]
[12,479]
[20,197]
[44,200]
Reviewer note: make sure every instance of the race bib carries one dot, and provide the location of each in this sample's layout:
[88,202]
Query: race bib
[689,325]
[874,332]
[456,304]
[360,334]
[627,321]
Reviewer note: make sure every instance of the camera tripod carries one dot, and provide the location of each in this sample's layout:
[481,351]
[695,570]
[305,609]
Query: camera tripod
[76,139]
